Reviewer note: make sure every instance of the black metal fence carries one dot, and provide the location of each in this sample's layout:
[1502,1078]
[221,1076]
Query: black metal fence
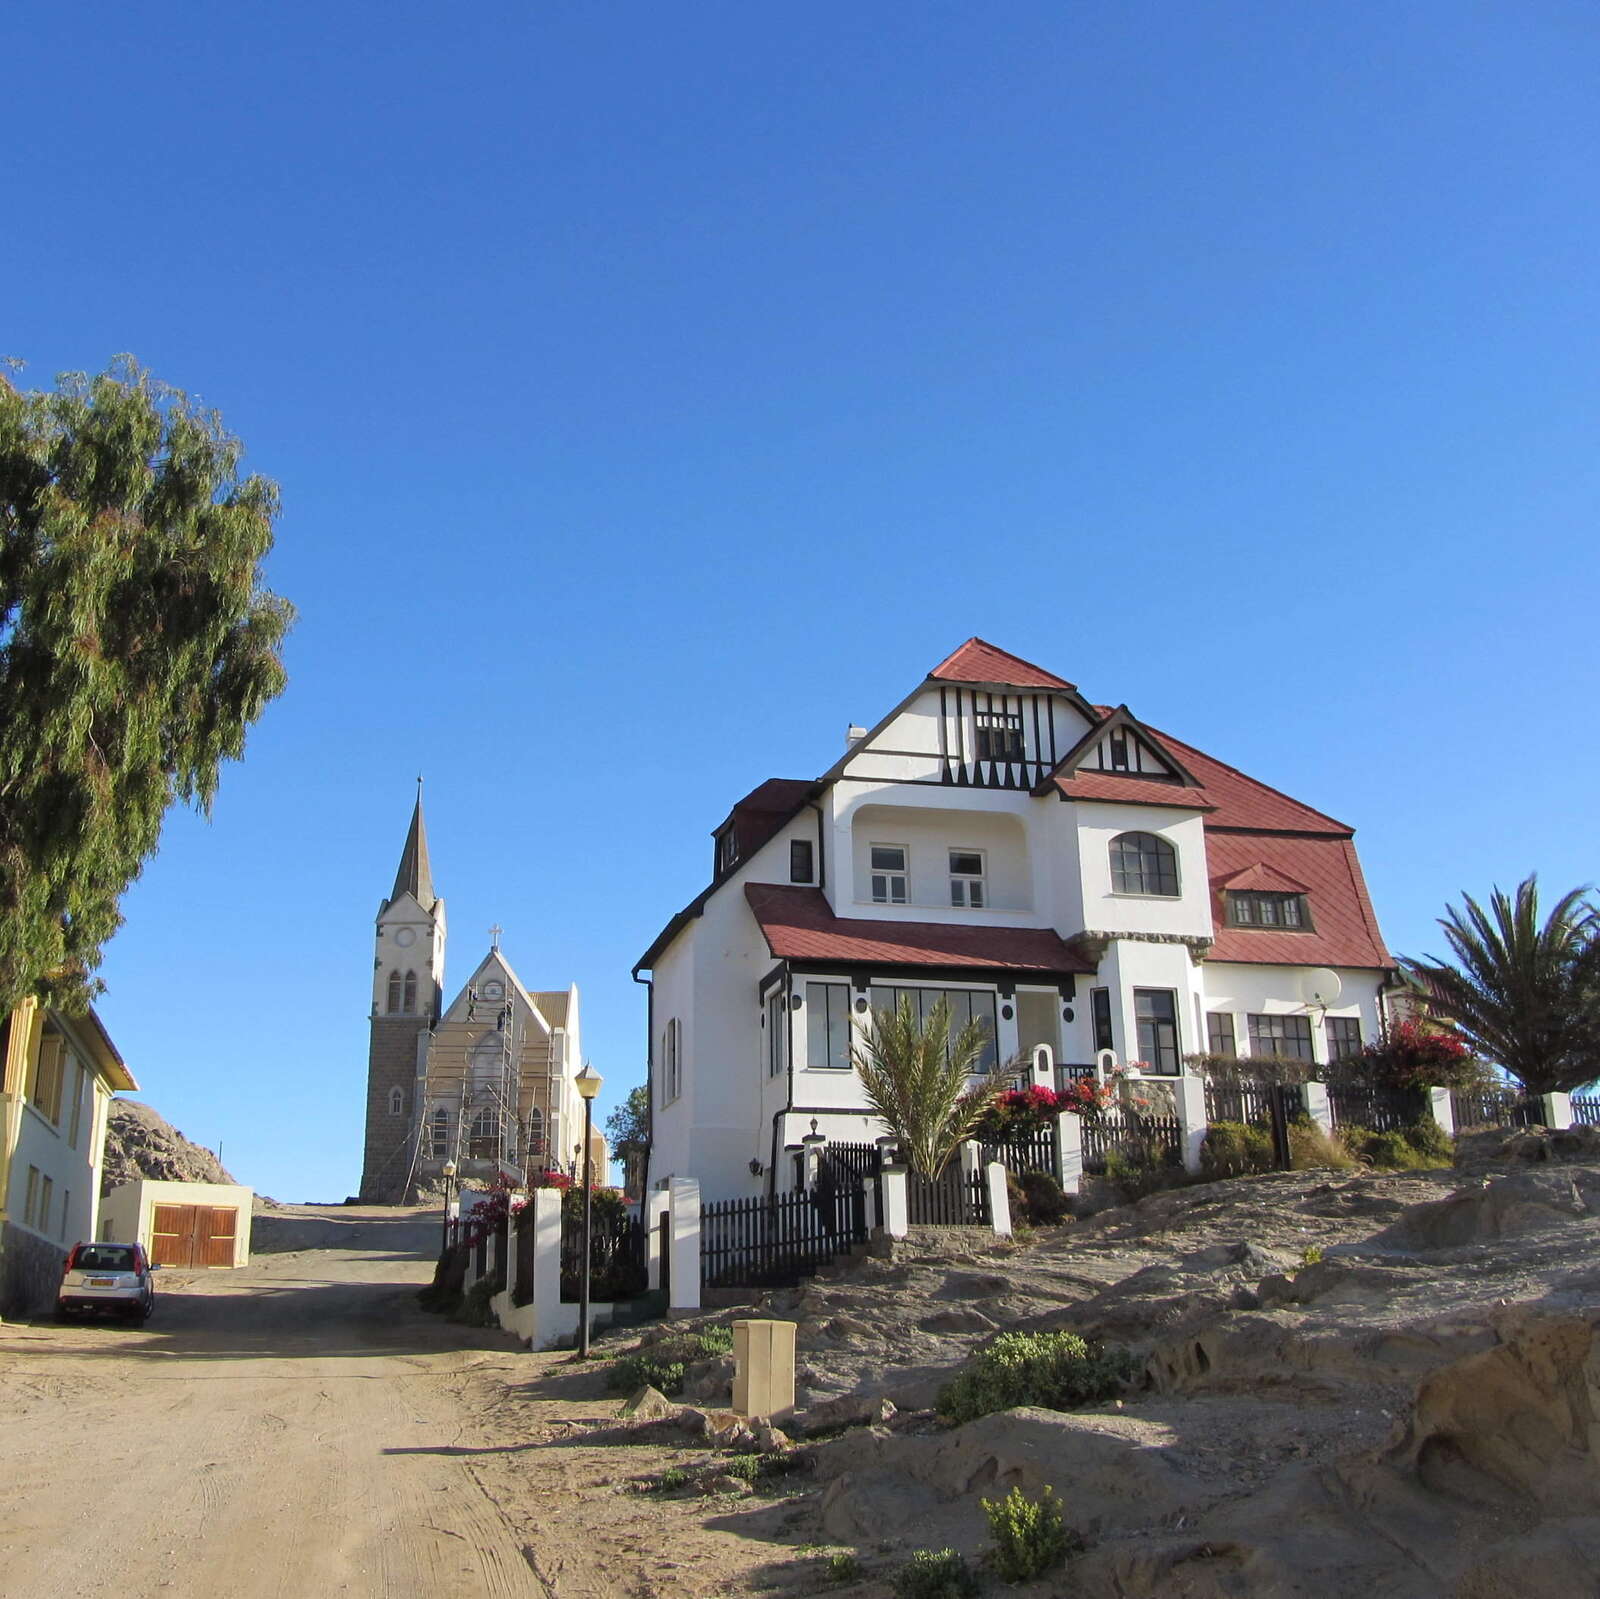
[772,1241]
[1380,1110]
[1251,1103]
[1494,1107]
[1134,1139]
[1078,1071]
[853,1163]
[1026,1152]
[952,1199]
[618,1265]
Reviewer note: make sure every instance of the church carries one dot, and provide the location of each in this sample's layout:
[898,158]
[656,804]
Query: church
[486,1083]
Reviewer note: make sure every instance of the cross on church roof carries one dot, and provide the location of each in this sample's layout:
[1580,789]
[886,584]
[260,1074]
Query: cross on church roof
[494,935]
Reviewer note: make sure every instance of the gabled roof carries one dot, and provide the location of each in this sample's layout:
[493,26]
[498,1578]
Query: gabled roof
[415,876]
[1073,779]
[1261,878]
[799,924]
[978,661]
[1344,930]
[494,964]
[1129,790]
[764,810]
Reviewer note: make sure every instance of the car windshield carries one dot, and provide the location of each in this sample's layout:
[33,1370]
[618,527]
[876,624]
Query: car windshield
[105,1257]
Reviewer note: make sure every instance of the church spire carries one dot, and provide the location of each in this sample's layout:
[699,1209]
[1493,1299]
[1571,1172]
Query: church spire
[415,876]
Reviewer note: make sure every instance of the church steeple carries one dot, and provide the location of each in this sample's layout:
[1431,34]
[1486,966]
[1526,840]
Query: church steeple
[415,876]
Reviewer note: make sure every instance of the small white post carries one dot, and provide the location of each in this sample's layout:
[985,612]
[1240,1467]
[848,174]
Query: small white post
[656,1204]
[1190,1093]
[999,1199]
[546,1204]
[1443,1110]
[512,1253]
[1557,1111]
[971,1158]
[1044,1066]
[1319,1107]
[1069,1151]
[685,1244]
[896,1202]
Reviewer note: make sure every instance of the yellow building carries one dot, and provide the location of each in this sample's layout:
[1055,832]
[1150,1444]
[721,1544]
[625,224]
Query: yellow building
[57,1076]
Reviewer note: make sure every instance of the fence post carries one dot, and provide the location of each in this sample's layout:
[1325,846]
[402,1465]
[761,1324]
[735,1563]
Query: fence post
[896,1202]
[971,1159]
[656,1203]
[1442,1110]
[685,1270]
[546,1203]
[1190,1094]
[1319,1107]
[1557,1110]
[1069,1151]
[511,1253]
[999,1199]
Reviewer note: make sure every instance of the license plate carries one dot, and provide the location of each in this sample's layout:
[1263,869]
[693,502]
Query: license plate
[102,1282]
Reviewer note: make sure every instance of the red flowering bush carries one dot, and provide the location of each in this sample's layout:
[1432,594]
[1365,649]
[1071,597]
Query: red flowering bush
[1414,1055]
[1021,1111]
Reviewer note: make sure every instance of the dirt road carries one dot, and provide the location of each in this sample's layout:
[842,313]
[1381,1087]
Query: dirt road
[286,1431]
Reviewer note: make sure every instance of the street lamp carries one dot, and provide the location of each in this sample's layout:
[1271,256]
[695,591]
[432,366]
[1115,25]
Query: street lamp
[448,1172]
[588,1085]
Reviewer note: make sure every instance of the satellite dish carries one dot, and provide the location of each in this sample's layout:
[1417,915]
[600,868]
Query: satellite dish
[1321,988]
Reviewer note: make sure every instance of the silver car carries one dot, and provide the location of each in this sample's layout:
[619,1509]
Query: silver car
[107,1279]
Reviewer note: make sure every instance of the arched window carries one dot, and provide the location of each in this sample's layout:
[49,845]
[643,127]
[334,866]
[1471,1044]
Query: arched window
[397,1101]
[483,1141]
[439,1135]
[394,991]
[409,1003]
[1142,863]
[535,1133]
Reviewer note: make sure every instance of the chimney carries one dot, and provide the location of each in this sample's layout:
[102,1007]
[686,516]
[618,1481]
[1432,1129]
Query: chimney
[853,735]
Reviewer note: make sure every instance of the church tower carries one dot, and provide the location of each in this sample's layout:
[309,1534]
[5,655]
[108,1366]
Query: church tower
[407,985]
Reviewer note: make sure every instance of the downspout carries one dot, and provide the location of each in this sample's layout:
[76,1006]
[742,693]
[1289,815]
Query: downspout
[777,1115]
[649,986]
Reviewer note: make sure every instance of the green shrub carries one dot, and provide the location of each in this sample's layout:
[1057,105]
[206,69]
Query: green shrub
[936,1574]
[474,1309]
[1311,1148]
[1037,1199]
[1056,1370]
[1415,1148]
[1029,1535]
[1233,1149]
[1311,1255]
[672,1480]
[664,1363]
[842,1566]
[1432,1142]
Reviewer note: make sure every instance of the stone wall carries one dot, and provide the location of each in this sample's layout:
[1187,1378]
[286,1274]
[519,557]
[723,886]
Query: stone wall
[30,1272]
[391,1063]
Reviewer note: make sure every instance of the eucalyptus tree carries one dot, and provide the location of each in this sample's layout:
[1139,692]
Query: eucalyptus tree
[138,642]
[915,1076]
[1522,992]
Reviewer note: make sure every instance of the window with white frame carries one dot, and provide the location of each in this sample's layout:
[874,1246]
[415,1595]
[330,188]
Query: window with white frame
[777,1033]
[966,879]
[828,1027]
[889,874]
[671,1065]
[1142,863]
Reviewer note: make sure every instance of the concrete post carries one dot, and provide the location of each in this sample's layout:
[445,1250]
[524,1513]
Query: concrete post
[1044,1067]
[656,1204]
[1443,1110]
[1069,1151]
[685,1244]
[1319,1107]
[811,1160]
[999,1199]
[1190,1093]
[763,1368]
[971,1158]
[512,1252]
[896,1202]
[1557,1110]
[546,1204]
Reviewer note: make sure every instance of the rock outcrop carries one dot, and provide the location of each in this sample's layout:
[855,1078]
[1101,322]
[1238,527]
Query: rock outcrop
[140,1143]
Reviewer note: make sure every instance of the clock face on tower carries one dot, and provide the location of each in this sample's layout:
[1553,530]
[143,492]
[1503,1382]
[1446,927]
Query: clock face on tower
[405,938]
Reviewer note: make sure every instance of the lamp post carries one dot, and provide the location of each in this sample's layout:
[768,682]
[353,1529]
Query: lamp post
[449,1174]
[587,1083]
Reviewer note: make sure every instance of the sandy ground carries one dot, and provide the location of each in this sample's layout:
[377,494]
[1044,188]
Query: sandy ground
[300,1429]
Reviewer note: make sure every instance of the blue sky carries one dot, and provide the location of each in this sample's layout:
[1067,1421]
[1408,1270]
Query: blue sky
[654,391]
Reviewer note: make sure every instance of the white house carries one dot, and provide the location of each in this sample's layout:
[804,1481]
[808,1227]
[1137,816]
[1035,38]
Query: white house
[1056,869]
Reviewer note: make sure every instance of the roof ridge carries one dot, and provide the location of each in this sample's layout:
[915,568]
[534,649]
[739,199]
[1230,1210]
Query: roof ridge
[1335,825]
[953,660]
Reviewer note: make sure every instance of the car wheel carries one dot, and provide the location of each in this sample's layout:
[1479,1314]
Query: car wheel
[63,1314]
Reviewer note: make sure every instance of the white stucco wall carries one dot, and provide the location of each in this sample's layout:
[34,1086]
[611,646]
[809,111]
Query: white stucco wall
[67,1151]
[1106,910]
[405,919]
[1275,991]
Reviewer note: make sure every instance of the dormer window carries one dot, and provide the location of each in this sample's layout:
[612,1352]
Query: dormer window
[1142,863]
[1253,908]
[999,736]
[889,874]
[727,850]
[966,879]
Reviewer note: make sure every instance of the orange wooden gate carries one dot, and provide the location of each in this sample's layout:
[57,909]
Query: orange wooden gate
[193,1235]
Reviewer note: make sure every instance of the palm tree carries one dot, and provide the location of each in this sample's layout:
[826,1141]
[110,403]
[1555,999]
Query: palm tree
[915,1078]
[1522,993]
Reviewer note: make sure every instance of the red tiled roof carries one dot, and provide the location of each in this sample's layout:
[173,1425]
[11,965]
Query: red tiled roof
[1132,790]
[765,809]
[799,924]
[1242,801]
[980,662]
[1346,931]
[1261,877]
